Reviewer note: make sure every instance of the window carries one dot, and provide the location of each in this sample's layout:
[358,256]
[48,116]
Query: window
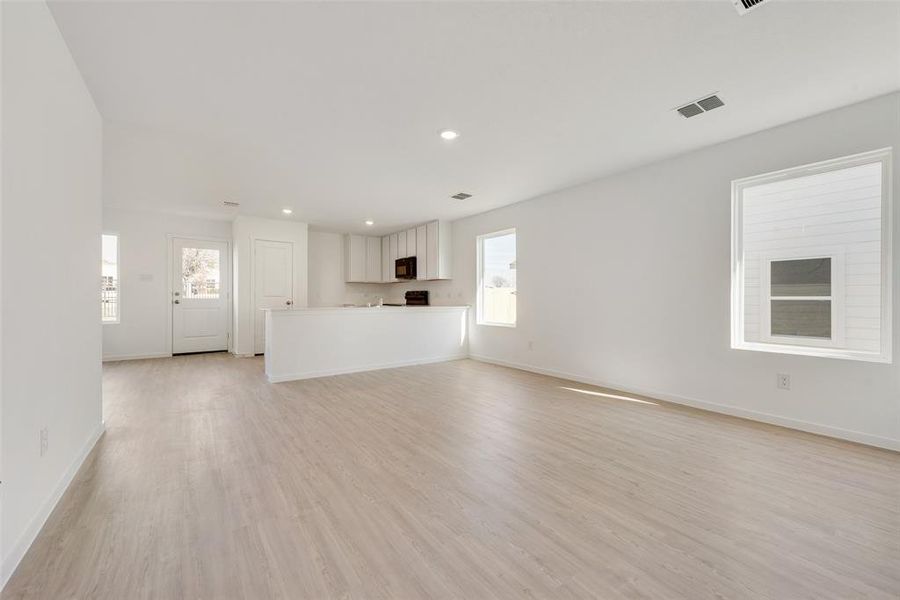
[811,270]
[497,278]
[799,303]
[200,273]
[109,278]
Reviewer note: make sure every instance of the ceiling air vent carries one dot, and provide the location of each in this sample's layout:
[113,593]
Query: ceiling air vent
[745,6]
[461,196]
[230,203]
[700,106]
[710,103]
[690,110]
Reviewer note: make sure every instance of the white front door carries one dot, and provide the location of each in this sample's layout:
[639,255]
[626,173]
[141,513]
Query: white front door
[199,296]
[273,284]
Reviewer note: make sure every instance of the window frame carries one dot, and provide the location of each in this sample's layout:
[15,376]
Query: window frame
[479,278]
[789,344]
[118,237]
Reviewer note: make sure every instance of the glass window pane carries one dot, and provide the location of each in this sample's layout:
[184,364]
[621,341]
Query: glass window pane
[804,277]
[806,318]
[499,279]
[788,223]
[109,278]
[200,273]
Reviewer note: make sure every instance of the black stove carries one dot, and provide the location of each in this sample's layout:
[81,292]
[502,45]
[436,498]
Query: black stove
[417,298]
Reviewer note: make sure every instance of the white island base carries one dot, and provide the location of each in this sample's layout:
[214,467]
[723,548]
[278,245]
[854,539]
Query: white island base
[315,342]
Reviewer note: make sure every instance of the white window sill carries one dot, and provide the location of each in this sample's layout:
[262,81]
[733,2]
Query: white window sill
[489,324]
[814,351]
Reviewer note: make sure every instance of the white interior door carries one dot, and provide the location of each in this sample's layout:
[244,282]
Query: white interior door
[200,293]
[273,284]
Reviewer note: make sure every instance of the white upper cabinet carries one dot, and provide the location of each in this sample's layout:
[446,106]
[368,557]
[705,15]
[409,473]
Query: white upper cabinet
[373,259]
[438,248]
[354,257]
[401,245]
[362,259]
[421,253]
[411,242]
[432,250]
[386,270]
[395,254]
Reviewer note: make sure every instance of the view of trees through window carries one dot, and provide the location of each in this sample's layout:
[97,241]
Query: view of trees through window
[200,272]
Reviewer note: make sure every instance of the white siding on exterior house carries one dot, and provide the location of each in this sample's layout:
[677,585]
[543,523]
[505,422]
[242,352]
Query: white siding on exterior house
[836,213]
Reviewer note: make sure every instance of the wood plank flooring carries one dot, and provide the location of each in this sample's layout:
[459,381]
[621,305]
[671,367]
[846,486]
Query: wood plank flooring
[453,480]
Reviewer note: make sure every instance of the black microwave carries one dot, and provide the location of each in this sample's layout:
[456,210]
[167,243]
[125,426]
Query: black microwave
[405,268]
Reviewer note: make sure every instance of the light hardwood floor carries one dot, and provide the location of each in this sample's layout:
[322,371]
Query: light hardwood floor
[454,480]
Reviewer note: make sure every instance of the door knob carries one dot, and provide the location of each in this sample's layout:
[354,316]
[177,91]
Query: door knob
[177,301]
[288,302]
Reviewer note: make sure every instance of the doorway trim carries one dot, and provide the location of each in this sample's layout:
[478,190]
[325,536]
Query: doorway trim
[170,252]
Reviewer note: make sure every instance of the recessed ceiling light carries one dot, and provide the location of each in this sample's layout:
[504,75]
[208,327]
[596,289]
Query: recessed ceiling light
[286,211]
[370,222]
[449,134]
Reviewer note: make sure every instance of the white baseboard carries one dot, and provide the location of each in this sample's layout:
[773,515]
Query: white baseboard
[118,357]
[377,367]
[817,428]
[17,553]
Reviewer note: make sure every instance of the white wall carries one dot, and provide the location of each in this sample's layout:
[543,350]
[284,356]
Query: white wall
[244,231]
[625,281]
[51,173]
[144,303]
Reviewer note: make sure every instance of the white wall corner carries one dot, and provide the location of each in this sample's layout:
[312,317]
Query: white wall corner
[18,550]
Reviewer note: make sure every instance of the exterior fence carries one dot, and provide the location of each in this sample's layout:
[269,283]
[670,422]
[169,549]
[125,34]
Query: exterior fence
[201,290]
[109,304]
[499,305]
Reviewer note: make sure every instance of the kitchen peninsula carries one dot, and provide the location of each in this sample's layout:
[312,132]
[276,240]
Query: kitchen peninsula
[314,342]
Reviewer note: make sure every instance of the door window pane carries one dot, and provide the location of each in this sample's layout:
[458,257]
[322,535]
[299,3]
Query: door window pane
[200,273]
[803,318]
[804,277]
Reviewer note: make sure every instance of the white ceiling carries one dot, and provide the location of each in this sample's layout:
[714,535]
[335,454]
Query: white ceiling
[334,108]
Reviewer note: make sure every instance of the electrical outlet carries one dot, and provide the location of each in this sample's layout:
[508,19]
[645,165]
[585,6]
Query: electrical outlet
[45,440]
[783,381]
[530,345]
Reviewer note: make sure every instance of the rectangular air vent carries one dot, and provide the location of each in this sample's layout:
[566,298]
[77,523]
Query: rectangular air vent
[690,110]
[699,107]
[230,203]
[745,6]
[710,103]
[461,196]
